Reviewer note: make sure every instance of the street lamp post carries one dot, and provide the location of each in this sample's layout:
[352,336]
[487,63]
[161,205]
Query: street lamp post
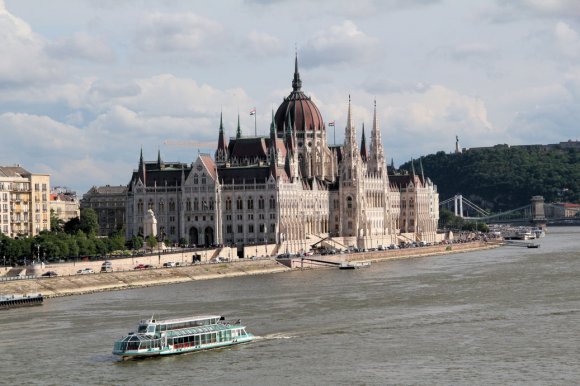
[265,241]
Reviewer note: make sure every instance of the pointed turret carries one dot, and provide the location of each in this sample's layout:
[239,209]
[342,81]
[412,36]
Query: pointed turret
[222,150]
[422,173]
[350,147]
[273,150]
[296,82]
[377,154]
[239,129]
[290,143]
[159,162]
[363,145]
[142,171]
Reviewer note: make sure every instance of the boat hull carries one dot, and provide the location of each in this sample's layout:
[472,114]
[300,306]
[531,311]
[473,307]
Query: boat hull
[180,349]
[20,301]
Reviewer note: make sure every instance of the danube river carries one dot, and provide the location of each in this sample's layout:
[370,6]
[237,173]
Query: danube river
[510,315]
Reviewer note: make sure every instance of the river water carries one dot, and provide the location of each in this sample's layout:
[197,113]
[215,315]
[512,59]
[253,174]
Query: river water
[504,316]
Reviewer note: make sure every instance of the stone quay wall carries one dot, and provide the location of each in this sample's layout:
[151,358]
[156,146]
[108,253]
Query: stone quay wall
[125,277]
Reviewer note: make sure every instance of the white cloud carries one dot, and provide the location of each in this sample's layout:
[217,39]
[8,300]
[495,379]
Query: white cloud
[511,10]
[435,116]
[339,45]
[262,45]
[81,46]
[185,33]
[567,40]
[49,135]
[390,86]
[23,60]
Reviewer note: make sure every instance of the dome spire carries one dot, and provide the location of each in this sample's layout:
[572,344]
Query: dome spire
[296,82]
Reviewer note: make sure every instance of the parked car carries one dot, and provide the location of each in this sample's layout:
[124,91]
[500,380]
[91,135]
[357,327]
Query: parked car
[107,266]
[49,274]
[140,266]
[85,271]
[170,264]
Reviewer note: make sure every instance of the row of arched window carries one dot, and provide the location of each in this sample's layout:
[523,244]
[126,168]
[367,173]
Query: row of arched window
[151,205]
[202,204]
[250,203]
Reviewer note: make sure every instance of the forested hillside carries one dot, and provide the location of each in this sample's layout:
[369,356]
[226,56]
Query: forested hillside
[503,177]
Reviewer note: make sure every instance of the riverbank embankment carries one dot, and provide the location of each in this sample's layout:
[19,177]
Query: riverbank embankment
[120,280]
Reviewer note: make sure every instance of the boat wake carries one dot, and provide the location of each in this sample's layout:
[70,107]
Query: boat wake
[274,336]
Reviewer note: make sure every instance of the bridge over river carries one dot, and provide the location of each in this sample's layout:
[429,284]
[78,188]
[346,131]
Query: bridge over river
[537,213]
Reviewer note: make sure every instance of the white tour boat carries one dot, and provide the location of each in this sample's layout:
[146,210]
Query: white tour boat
[178,336]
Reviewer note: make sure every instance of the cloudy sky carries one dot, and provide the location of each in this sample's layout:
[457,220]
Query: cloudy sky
[84,85]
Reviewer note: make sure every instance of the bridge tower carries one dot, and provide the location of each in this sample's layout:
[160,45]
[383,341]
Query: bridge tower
[538,214]
[458,205]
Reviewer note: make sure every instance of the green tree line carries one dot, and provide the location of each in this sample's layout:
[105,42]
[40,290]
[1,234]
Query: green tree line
[502,177]
[74,239]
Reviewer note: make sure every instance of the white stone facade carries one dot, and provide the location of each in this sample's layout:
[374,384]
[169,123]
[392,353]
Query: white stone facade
[288,192]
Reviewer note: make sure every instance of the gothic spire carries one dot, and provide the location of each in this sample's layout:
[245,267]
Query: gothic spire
[273,150]
[141,172]
[377,154]
[350,134]
[363,145]
[273,126]
[296,82]
[221,151]
[159,162]
[290,136]
[239,130]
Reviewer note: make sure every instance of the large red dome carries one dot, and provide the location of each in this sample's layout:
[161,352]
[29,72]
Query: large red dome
[298,110]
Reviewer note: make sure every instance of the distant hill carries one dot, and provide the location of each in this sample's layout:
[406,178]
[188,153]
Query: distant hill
[504,177]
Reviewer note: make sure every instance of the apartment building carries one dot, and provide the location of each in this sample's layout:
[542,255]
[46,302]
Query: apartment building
[24,202]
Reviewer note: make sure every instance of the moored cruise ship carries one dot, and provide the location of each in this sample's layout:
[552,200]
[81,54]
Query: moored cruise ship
[178,336]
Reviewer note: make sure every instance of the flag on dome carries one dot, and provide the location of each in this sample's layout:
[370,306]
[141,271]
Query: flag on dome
[253,111]
[331,123]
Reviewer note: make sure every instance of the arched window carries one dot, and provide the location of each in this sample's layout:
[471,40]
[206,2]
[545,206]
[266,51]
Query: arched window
[239,204]
[171,205]
[195,180]
[211,204]
[349,202]
[251,203]
[195,204]
[261,203]
[228,203]
[161,206]
[140,206]
[188,205]
[272,202]
[203,179]
[150,204]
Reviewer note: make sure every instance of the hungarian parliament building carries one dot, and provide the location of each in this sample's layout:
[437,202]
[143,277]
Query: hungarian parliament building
[289,190]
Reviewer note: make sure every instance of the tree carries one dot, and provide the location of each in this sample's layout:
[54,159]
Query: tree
[151,241]
[89,222]
[136,242]
[56,223]
[72,226]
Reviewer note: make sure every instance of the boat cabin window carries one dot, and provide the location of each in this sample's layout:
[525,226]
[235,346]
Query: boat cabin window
[151,329]
[142,329]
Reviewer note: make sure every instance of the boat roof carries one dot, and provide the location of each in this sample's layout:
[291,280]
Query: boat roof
[200,330]
[180,320]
